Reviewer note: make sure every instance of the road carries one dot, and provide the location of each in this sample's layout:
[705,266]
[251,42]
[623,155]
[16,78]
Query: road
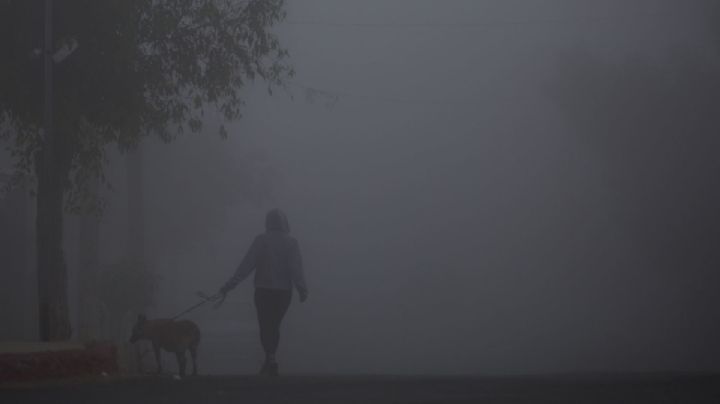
[658,389]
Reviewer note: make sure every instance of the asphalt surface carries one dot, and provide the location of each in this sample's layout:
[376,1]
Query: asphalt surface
[656,389]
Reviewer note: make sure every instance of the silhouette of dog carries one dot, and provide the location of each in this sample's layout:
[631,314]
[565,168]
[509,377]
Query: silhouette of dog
[172,336]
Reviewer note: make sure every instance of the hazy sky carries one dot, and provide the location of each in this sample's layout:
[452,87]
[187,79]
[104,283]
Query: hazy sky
[455,216]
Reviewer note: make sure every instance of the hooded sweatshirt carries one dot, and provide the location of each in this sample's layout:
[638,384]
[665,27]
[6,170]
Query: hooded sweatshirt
[275,257]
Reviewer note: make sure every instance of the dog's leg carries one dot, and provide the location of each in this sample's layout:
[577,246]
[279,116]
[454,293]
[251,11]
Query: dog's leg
[193,355]
[181,362]
[158,360]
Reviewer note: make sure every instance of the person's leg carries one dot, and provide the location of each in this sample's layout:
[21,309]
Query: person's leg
[280,302]
[263,308]
[278,307]
[271,308]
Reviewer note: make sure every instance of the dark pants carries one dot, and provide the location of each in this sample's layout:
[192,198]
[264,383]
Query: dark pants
[271,306]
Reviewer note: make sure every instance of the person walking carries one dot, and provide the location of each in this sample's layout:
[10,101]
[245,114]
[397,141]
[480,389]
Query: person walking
[275,257]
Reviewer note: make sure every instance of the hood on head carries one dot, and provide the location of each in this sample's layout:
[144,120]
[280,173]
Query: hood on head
[275,220]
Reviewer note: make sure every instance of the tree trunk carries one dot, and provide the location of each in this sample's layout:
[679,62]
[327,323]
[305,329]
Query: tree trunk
[53,313]
[136,216]
[54,316]
[133,355]
[88,326]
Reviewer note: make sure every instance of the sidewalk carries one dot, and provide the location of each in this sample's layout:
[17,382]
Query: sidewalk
[612,389]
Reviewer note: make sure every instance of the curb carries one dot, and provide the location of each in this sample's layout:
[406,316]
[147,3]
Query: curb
[95,359]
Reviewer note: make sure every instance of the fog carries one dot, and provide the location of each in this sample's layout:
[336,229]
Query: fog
[484,187]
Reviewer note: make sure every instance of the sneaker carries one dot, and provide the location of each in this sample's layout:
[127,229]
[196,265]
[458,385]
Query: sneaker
[273,370]
[265,370]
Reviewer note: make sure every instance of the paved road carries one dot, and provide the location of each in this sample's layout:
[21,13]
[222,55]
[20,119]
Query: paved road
[355,389]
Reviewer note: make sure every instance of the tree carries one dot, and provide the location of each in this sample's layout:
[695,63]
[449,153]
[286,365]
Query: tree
[124,69]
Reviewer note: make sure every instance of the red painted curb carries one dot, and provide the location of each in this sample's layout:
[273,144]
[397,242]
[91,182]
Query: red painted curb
[95,359]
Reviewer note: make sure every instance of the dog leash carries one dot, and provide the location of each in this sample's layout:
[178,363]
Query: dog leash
[205,299]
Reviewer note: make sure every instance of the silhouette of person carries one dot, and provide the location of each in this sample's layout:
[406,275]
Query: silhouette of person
[275,258]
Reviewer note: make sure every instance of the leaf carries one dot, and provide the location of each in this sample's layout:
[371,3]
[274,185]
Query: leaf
[147,67]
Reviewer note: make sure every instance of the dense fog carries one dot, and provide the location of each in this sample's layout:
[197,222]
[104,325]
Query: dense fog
[482,187]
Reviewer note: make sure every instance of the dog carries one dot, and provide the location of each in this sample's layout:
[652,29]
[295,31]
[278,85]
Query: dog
[172,336]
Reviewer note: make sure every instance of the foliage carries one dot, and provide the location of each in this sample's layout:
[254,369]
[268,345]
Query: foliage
[128,68]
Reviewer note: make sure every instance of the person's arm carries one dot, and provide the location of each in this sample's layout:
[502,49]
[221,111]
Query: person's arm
[244,269]
[297,272]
